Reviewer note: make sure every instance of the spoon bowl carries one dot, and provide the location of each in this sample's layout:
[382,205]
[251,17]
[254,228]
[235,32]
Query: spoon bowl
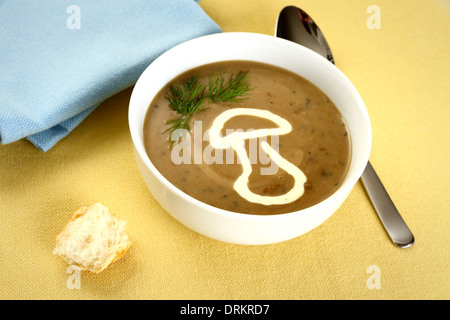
[296,25]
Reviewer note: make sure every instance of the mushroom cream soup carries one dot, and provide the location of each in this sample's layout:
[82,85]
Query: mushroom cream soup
[248,137]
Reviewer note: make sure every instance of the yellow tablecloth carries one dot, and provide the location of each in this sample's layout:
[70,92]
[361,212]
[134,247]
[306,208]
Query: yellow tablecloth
[402,73]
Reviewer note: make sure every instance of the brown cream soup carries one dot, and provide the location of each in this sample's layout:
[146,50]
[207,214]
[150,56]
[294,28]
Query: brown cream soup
[318,143]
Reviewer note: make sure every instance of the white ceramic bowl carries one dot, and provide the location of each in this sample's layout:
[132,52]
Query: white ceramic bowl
[230,226]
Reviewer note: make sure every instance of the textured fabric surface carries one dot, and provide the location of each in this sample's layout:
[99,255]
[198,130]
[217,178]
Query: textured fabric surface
[401,72]
[60,59]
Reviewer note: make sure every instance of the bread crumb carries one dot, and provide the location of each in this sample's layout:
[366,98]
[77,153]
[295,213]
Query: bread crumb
[93,239]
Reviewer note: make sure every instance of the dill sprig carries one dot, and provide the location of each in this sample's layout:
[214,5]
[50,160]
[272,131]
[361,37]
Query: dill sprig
[190,97]
[235,89]
[185,100]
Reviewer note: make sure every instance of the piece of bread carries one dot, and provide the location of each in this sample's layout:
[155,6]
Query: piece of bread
[93,239]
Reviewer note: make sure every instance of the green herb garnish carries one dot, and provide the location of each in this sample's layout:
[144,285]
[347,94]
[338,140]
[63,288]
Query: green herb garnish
[190,97]
[235,89]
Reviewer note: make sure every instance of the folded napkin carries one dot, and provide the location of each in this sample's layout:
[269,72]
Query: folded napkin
[60,59]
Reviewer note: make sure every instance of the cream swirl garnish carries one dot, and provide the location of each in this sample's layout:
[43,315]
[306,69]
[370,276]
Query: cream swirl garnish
[236,140]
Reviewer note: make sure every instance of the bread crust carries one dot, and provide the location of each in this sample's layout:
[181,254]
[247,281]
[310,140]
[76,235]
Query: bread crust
[119,251]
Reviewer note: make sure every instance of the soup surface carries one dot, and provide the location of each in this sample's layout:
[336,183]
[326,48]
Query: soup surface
[317,143]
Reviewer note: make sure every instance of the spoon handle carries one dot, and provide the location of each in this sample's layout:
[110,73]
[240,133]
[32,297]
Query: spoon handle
[391,219]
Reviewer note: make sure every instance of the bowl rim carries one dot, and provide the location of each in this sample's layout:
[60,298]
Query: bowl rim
[341,193]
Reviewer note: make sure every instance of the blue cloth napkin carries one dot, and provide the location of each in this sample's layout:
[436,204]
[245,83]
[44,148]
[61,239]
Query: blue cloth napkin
[60,59]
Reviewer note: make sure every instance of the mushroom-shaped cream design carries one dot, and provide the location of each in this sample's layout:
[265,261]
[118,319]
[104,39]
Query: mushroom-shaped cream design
[236,140]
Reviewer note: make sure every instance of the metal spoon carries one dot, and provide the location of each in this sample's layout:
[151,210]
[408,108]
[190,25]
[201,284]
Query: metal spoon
[296,25]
